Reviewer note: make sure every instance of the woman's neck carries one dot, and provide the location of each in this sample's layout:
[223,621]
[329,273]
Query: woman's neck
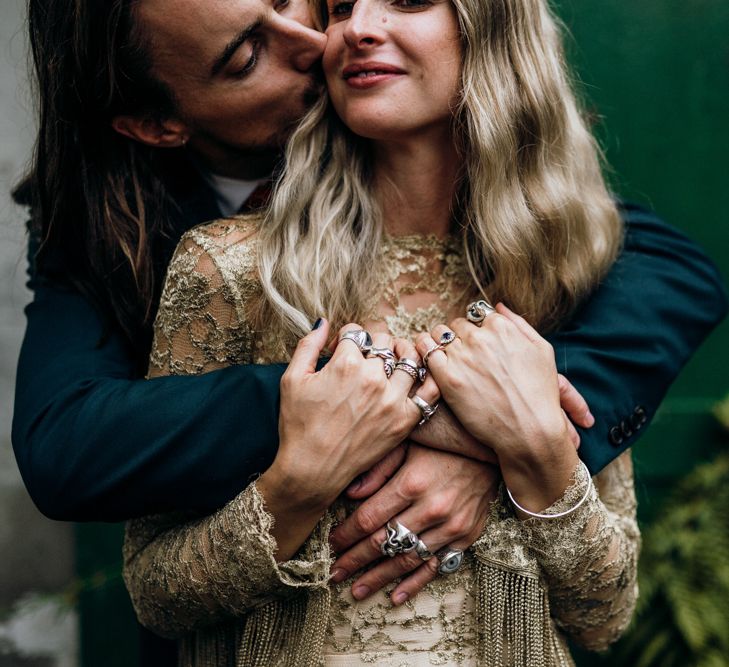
[415,185]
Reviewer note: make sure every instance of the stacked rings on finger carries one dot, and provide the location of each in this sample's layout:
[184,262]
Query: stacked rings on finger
[446,339]
[478,311]
[399,540]
[426,410]
[416,372]
[450,560]
[387,356]
[422,550]
[360,338]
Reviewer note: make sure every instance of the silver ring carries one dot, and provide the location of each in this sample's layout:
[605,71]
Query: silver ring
[381,352]
[422,550]
[360,338]
[437,347]
[426,410]
[411,367]
[399,540]
[387,356]
[404,361]
[407,368]
[446,339]
[450,560]
[478,311]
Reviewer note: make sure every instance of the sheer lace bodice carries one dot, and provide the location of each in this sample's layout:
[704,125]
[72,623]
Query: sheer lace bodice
[213,581]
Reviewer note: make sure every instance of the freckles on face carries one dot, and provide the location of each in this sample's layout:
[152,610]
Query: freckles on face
[411,57]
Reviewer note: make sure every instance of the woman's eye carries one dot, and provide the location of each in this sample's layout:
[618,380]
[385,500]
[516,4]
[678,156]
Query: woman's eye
[412,4]
[341,9]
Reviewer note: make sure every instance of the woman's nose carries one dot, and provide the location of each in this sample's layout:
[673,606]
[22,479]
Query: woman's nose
[364,27]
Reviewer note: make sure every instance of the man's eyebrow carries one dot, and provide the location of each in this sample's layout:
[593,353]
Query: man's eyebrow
[232,46]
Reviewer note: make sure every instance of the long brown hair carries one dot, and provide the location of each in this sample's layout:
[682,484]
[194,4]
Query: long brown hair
[98,205]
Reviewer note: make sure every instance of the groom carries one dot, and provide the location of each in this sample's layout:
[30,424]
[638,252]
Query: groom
[157,115]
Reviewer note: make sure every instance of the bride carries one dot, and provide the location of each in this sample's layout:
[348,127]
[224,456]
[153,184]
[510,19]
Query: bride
[448,164]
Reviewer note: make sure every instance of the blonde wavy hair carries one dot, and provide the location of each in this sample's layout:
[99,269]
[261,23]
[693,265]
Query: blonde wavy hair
[538,226]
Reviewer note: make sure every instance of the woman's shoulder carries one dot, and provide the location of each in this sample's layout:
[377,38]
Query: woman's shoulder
[226,234]
[226,246]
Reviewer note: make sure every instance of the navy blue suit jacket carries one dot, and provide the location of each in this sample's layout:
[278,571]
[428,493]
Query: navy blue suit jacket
[93,441]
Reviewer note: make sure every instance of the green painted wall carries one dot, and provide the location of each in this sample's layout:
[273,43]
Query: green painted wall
[657,72]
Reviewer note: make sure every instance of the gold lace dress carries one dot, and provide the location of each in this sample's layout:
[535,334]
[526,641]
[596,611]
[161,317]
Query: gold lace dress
[213,581]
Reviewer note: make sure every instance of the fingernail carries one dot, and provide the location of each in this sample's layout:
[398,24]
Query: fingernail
[339,575]
[399,598]
[589,419]
[317,324]
[361,592]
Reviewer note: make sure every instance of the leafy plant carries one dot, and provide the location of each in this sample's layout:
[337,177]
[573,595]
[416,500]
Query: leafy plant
[682,618]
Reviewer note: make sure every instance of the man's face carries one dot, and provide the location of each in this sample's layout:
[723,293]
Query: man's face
[240,70]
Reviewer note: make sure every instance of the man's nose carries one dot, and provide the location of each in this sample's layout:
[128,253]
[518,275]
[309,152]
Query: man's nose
[305,45]
[312,47]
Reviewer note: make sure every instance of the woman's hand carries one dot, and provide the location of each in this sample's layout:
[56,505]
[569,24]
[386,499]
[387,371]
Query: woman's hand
[334,424]
[501,381]
[445,432]
[442,497]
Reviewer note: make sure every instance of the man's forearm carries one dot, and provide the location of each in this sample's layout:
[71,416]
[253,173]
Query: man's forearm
[93,443]
[626,345]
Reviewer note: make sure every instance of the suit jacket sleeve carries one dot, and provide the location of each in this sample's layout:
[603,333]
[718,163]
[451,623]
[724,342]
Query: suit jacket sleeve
[627,343]
[93,442]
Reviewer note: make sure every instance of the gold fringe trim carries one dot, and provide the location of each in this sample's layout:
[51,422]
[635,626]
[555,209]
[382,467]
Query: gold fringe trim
[515,628]
[281,633]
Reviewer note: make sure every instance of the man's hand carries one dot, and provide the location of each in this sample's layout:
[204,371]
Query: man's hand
[444,432]
[575,407]
[442,497]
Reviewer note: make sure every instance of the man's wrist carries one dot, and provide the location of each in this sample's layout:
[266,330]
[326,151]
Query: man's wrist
[444,433]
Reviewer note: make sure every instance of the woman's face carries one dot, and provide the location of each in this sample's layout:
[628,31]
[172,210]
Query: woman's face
[392,66]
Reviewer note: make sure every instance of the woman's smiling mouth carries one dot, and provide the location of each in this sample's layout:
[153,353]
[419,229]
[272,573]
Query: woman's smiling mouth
[365,75]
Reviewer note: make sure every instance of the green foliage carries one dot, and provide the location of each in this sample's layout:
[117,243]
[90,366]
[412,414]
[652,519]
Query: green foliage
[682,618]
[721,412]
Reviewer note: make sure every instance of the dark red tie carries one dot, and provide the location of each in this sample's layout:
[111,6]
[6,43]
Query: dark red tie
[258,199]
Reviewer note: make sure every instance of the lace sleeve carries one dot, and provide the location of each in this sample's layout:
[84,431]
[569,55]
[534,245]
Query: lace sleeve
[589,558]
[199,326]
[184,573]
[185,576]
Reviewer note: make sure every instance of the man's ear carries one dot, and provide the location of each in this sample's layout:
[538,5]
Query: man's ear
[168,133]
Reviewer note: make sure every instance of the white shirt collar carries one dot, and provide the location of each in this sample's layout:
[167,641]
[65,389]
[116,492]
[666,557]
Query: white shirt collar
[230,193]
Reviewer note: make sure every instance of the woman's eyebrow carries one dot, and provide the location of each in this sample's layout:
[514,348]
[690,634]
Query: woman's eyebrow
[232,46]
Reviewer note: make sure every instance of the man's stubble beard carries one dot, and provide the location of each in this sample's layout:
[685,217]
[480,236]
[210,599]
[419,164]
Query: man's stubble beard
[262,158]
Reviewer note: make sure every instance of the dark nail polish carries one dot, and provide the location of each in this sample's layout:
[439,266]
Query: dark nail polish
[317,324]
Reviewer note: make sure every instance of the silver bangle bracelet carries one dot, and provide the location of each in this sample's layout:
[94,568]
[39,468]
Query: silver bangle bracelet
[538,515]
